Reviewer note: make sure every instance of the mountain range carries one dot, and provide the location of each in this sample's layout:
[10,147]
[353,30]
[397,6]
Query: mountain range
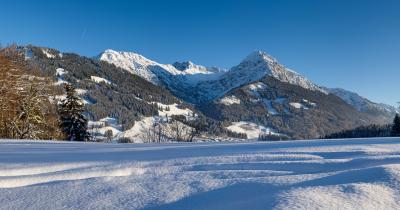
[257,96]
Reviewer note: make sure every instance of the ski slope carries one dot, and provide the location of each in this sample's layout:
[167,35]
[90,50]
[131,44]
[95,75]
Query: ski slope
[310,174]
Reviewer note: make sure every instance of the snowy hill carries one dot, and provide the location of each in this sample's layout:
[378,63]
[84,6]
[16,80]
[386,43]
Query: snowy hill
[317,174]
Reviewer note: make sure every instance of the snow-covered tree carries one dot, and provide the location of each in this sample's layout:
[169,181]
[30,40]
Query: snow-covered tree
[72,120]
[30,119]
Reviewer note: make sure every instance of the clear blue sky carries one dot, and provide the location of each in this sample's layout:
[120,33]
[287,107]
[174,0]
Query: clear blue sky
[339,43]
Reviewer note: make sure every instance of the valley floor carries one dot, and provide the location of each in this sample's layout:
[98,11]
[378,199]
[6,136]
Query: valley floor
[311,174]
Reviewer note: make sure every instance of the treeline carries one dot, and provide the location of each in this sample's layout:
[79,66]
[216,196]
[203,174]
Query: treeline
[369,131]
[272,137]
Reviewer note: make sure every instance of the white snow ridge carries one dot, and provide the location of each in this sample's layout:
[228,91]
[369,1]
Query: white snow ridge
[309,174]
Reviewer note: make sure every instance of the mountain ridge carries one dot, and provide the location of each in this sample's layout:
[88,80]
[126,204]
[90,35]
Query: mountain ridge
[259,95]
[280,72]
[207,83]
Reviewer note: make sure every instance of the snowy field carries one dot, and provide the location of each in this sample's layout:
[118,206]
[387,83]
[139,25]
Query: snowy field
[319,174]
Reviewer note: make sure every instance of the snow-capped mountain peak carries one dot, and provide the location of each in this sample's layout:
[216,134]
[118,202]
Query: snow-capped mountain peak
[132,62]
[259,56]
[259,64]
[123,57]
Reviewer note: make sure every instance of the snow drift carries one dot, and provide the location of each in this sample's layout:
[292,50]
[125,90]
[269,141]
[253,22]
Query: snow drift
[318,174]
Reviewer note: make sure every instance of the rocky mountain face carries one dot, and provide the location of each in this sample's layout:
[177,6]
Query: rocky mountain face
[259,95]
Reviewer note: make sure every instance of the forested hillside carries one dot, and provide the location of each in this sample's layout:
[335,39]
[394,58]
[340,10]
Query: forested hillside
[258,97]
[295,111]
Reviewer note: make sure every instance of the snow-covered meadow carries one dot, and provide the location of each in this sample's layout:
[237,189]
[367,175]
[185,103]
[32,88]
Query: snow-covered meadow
[312,174]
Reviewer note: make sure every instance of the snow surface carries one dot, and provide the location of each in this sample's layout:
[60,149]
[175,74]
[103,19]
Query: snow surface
[297,105]
[100,79]
[229,100]
[80,91]
[312,104]
[310,174]
[60,72]
[174,109]
[47,53]
[257,86]
[251,129]
[304,104]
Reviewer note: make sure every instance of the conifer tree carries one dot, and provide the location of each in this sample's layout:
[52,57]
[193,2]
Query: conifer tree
[72,121]
[396,126]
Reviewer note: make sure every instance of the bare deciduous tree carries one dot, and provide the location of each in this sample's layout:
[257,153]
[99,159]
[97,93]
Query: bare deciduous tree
[25,108]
